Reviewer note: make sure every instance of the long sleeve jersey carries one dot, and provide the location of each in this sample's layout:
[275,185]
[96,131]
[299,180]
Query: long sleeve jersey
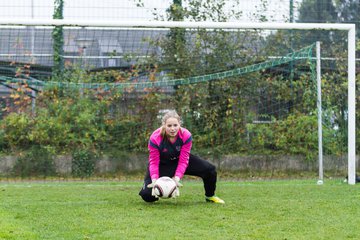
[164,150]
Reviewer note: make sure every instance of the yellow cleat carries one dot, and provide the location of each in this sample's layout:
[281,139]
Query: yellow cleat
[215,199]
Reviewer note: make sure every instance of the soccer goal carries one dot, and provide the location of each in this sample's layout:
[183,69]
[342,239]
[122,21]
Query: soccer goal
[259,89]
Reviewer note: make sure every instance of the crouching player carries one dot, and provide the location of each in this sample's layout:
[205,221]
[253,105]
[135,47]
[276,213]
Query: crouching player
[169,155]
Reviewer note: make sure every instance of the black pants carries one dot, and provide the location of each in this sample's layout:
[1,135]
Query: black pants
[197,167]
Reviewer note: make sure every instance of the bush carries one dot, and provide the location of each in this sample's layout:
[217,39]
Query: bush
[3,142]
[83,163]
[37,161]
[297,134]
[16,128]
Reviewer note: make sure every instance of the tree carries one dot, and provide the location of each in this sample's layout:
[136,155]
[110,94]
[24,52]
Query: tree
[348,11]
[333,45]
[58,38]
[319,11]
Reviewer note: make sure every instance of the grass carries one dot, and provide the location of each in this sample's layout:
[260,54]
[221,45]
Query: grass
[282,209]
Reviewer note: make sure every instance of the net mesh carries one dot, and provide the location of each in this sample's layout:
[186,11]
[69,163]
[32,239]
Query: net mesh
[305,53]
[239,92]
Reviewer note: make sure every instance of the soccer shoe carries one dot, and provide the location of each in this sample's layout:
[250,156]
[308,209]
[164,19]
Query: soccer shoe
[215,199]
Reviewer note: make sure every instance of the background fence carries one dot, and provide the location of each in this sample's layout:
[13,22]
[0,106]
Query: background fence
[94,92]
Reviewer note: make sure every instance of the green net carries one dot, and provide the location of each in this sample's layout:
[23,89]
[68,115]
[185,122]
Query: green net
[305,53]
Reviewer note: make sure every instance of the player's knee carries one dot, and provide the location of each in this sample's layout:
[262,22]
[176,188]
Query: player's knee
[146,196]
[149,198]
[210,171]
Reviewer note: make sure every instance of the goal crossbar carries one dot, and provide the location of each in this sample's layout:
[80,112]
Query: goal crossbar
[349,28]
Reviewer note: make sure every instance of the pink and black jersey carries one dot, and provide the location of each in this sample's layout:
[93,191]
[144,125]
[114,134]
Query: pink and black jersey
[162,150]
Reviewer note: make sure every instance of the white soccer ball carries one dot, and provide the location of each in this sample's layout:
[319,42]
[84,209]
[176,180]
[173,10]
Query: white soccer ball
[165,187]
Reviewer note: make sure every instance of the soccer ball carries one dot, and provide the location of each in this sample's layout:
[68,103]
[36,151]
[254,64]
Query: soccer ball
[165,187]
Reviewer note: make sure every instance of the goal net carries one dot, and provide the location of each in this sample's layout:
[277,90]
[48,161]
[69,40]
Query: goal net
[247,94]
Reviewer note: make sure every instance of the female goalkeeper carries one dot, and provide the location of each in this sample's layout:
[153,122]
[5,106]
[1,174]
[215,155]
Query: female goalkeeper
[169,148]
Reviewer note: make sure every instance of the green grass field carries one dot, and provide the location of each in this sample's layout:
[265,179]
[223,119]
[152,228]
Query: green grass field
[282,209]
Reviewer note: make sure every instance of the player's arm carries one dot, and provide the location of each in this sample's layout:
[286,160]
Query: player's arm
[154,160]
[183,158]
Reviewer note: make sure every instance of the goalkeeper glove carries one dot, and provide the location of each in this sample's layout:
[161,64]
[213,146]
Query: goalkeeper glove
[177,181]
[176,193]
[151,185]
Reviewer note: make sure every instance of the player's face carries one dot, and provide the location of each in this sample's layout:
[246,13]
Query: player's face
[172,127]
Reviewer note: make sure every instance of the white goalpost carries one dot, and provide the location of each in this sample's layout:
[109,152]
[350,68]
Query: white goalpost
[319,108]
[351,47]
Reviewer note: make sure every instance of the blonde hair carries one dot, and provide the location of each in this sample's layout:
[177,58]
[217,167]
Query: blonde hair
[167,115]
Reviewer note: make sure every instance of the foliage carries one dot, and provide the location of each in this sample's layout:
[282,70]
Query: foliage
[348,12]
[59,123]
[36,161]
[298,135]
[70,119]
[83,163]
[260,136]
[314,11]
[3,144]
[317,11]
[334,73]
[15,128]
[198,10]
